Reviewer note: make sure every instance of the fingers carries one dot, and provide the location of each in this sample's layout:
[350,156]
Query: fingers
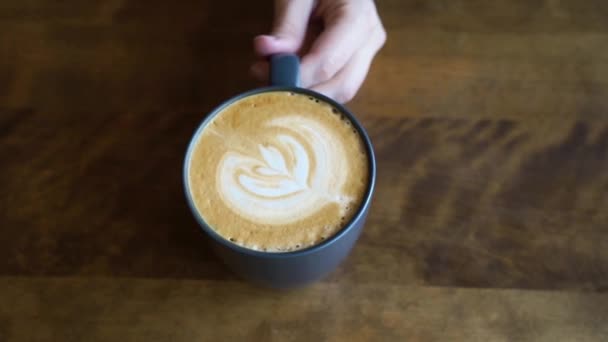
[347,30]
[345,84]
[338,60]
[288,34]
[291,21]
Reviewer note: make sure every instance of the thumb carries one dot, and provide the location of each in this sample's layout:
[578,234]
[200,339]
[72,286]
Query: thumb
[290,24]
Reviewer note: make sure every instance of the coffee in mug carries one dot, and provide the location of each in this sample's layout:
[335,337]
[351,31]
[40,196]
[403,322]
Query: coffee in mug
[278,171]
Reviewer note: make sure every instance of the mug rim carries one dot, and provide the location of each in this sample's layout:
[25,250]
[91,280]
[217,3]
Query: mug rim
[361,211]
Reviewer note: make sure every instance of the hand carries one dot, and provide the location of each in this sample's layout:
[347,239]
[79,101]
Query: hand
[340,56]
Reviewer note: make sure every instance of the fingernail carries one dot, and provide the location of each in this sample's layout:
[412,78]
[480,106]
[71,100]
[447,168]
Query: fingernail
[267,36]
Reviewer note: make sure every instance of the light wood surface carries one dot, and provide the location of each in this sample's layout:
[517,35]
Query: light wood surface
[490,221]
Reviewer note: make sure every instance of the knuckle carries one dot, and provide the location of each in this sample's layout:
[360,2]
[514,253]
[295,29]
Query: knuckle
[327,68]
[378,37]
[346,93]
[286,29]
[382,36]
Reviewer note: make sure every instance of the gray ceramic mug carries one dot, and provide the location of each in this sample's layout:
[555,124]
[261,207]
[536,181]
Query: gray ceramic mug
[296,268]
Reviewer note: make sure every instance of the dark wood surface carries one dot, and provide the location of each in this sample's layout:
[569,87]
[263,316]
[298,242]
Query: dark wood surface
[490,221]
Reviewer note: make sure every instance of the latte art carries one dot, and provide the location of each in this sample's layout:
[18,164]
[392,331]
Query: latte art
[289,179]
[278,171]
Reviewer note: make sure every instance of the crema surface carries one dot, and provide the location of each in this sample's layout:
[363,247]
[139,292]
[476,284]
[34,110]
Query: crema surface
[278,171]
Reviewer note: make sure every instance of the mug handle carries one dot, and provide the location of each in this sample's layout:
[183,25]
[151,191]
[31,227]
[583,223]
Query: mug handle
[285,70]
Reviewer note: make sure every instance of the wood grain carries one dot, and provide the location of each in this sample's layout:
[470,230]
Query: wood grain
[490,126]
[185,310]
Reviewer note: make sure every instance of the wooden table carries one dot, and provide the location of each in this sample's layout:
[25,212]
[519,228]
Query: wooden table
[490,221]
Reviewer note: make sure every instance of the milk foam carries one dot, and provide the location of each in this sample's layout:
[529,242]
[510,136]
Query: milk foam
[300,171]
[278,171]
